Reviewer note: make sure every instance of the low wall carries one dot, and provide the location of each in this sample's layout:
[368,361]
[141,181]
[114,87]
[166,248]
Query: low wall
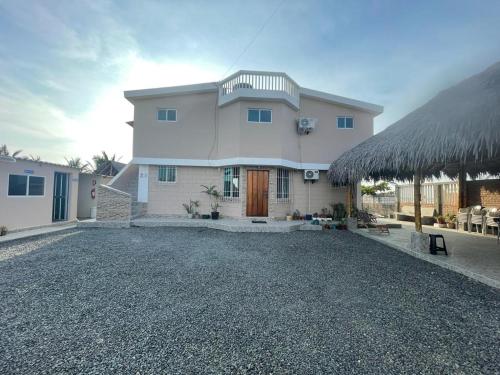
[485,192]
[113,204]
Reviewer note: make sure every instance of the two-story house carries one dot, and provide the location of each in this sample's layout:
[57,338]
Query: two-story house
[253,135]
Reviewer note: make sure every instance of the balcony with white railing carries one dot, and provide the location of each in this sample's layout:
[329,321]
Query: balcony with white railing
[252,85]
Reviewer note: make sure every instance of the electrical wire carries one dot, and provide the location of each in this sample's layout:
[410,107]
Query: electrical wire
[254,38]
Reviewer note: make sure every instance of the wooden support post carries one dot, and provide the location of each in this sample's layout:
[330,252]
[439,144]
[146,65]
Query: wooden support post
[462,188]
[417,196]
[349,199]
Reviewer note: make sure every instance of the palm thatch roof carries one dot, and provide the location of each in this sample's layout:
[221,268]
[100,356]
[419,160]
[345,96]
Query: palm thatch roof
[460,127]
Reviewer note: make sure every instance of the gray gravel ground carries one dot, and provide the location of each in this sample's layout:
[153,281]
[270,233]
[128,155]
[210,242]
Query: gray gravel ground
[157,300]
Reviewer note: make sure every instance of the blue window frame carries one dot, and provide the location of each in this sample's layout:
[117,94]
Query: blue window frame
[169,115]
[260,115]
[345,122]
[22,185]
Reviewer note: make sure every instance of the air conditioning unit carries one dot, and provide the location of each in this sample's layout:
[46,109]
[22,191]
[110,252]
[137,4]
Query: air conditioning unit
[306,124]
[311,174]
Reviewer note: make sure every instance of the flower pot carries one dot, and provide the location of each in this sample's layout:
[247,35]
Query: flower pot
[289,217]
[451,225]
[309,217]
[215,215]
[438,225]
[205,216]
[190,216]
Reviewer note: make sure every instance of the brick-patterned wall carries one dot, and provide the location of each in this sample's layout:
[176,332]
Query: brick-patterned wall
[113,204]
[483,192]
[167,198]
[322,194]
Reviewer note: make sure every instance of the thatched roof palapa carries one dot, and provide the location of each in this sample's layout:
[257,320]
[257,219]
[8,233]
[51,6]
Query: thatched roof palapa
[458,128]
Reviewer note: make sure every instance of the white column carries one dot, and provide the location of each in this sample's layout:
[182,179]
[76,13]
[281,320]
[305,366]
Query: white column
[142,184]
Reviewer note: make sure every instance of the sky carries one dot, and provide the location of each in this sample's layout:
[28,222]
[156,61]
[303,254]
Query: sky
[65,64]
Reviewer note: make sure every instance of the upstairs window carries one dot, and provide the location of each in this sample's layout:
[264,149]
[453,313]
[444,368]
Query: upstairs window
[169,115]
[20,185]
[260,115]
[167,173]
[231,182]
[345,122]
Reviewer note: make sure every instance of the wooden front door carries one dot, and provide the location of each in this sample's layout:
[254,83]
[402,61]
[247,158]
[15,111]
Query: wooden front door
[257,192]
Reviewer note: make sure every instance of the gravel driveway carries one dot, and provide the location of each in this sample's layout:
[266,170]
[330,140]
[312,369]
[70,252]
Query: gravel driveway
[157,300]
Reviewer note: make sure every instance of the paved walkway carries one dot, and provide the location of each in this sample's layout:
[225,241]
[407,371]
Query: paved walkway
[36,232]
[471,254]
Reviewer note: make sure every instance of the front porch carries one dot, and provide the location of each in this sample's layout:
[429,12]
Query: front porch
[226,224]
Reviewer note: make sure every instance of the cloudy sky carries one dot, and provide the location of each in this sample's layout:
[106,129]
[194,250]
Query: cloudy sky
[65,64]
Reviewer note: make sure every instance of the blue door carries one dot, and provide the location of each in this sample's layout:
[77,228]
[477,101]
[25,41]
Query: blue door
[60,201]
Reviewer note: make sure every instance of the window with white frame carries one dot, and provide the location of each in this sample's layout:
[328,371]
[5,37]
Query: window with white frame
[167,114]
[167,173]
[21,185]
[231,182]
[283,184]
[260,115]
[345,122]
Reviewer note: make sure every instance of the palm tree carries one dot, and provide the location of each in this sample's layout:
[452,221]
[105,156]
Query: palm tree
[77,163]
[4,151]
[102,163]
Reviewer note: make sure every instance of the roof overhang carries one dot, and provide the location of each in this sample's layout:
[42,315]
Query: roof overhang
[267,95]
[199,88]
[341,100]
[253,94]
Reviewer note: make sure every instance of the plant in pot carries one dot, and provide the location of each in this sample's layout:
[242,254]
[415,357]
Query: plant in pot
[215,197]
[338,211]
[450,220]
[441,222]
[191,208]
[342,224]
[296,215]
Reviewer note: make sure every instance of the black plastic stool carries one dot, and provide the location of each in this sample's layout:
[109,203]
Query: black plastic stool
[433,247]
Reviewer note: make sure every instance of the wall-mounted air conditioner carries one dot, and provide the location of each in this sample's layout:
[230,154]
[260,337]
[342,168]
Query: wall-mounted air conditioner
[305,125]
[311,174]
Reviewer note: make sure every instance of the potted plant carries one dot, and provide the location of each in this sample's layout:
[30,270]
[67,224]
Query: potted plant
[441,222]
[296,215]
[3,230]
[342,225]
[450,220]
[215,197]
[191,208]
[338,211]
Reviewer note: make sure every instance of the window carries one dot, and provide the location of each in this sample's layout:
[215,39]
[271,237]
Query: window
[20,185]
[35,185]
[345,122]
[259,115]
[167,173]
[167,115]
[231,182]
[283,184]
